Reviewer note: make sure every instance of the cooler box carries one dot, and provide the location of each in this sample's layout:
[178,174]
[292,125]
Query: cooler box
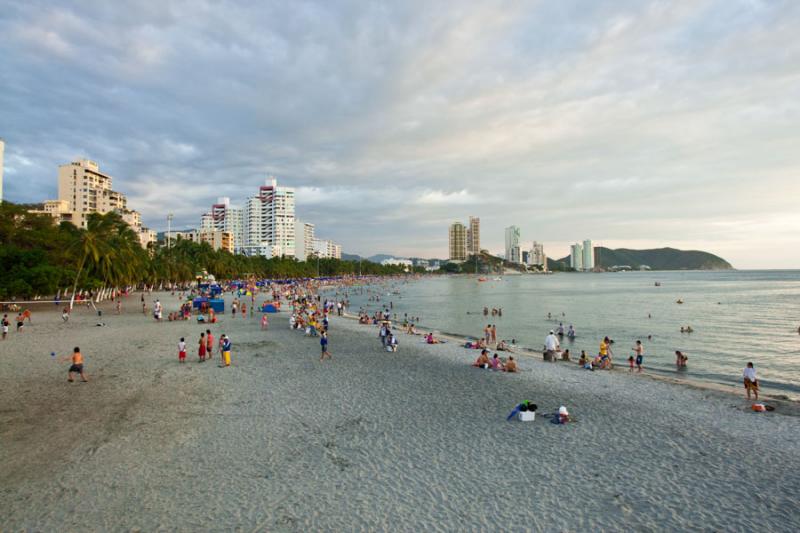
[526,416]
[217,304]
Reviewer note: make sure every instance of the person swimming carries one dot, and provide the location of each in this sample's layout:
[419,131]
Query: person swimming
[571,332]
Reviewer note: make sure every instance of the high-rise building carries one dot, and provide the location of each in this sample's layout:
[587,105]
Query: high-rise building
[536,256]
[303,239]
[513,254]
[474,236]
[576,257]
[458,242]
[588,255]
[88,191]
[225,218]
[268,222]
[2,151]
[83,190]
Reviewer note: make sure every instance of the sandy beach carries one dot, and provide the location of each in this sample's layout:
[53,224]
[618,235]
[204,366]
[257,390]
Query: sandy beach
[412,441]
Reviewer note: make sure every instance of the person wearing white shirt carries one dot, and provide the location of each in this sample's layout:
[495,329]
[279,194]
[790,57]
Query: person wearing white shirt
[551,346]
[750,380]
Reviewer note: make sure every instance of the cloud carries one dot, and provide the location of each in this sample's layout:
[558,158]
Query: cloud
[623,121]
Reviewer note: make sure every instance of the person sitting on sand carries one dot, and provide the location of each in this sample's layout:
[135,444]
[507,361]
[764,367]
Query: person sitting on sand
[483,360]
[511,364]
[565,355]
[503,346]
[584,361]
[496,363]
[430,339]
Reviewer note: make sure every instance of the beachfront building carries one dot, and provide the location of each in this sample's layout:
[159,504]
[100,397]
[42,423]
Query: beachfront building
[268,224]
[474,236]
[326,249]
[588,255]
[536,256]
[458,242]
[513,254]
[218,240]
[576,257]
[223,217]
[2,152]
[83,190]
[303,239]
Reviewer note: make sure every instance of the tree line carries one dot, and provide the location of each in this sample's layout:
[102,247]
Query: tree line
[39,258]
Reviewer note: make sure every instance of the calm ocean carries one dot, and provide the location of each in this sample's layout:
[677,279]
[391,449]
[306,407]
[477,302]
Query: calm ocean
[737,316]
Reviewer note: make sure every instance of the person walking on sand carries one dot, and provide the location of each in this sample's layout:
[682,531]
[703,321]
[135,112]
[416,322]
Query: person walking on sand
[77,366]
[4,324]
[264,321]
[551,346]
[494,334]
[323,342]
[750,380]
[639,351]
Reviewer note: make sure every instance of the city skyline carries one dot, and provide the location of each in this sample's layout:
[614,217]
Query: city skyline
[642,124]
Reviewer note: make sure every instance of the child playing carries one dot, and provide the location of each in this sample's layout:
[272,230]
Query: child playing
[323,342]
[201,350]
[264,322]
[77,366]
[182,351]
[630,364]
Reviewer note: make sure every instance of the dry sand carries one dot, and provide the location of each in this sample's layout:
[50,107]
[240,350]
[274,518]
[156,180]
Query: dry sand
[369,441]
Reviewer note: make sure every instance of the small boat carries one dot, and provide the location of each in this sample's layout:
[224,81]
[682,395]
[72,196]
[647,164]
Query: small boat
[498,279]
[658,284]
[679,301]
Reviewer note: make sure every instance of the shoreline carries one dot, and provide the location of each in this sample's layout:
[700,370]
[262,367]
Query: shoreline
[783,404]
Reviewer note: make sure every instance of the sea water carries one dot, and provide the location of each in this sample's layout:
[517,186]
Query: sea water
[737,316]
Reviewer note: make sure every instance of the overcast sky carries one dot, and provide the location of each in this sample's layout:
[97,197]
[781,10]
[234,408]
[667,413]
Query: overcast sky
[638,124]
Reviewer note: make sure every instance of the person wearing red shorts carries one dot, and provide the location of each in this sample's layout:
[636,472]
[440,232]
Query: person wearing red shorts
[182,351]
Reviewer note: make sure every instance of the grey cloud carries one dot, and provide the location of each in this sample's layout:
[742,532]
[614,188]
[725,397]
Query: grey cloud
[657,122]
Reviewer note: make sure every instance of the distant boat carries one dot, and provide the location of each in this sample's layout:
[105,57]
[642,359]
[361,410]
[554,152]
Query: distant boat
[498,279]
[679,301]
[658,284]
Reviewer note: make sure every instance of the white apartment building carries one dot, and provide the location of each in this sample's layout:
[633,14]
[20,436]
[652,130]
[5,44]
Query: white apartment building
[268,222]
[325,249]
[513,254]
[474,236]
[588,255]
[225,218]
[576,257]
[536,256]
[303,239]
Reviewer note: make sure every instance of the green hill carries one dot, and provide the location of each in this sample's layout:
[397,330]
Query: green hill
[656,259]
